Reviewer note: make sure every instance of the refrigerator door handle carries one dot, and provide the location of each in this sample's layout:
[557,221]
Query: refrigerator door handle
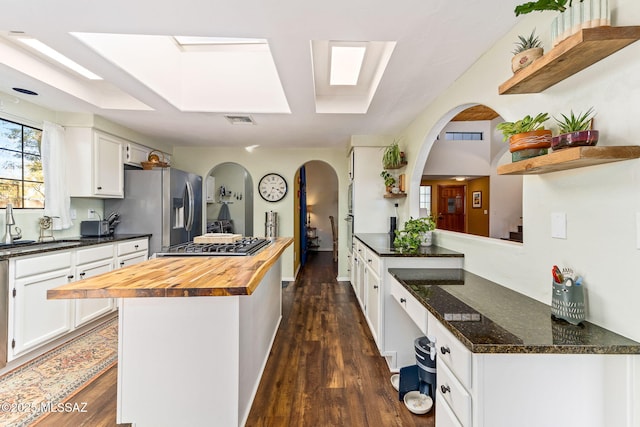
[190,203]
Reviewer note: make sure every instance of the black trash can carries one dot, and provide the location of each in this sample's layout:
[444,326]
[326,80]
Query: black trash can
[426,361]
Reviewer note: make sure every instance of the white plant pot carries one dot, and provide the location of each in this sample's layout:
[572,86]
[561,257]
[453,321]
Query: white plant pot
[585,14]
[427,239]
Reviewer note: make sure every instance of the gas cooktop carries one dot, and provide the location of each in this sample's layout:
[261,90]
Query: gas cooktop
[242,247]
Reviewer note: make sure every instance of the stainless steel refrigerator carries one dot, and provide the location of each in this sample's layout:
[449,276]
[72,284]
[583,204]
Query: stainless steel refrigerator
[166,203]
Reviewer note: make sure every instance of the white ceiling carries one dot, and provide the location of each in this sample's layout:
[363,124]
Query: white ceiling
[436,41]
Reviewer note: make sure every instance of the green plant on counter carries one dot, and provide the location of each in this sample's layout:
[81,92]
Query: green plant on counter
[526,124]
[409,239]
[574,123]
[540,5]
[526,43]
[391,158]
[389,180]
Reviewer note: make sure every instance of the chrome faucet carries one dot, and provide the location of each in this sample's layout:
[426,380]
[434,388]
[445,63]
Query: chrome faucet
[9,222]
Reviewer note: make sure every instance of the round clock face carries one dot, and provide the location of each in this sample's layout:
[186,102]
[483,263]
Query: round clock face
[272,187]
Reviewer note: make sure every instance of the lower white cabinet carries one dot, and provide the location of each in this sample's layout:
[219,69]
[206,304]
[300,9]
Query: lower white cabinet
[37,320]
[529,389]
[132,252]
[91,262]
[34,320]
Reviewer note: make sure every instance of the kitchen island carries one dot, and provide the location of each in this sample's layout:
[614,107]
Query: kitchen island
[194,334]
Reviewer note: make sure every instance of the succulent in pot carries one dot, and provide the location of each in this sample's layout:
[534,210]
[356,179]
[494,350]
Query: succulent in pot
[527,137]
[575,130]
[527,50]
[415,233]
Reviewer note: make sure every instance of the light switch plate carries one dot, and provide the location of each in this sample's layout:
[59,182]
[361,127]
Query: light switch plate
[559,225]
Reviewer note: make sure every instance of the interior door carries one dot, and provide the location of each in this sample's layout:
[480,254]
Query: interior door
[451,208]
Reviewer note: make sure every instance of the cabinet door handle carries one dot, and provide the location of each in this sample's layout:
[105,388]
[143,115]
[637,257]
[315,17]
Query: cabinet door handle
[121,263]
[82,274]
[369,260]
[99,188]
[70,277]
[445,350]
[375,286]
[402,300]
[135,246]
[445,388]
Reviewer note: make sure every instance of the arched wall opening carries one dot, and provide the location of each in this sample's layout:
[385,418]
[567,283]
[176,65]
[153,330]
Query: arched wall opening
[456,168]
[228,189]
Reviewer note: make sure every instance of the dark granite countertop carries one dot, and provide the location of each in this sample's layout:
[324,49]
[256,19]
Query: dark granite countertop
[35,248]
[489,318]
[382,244]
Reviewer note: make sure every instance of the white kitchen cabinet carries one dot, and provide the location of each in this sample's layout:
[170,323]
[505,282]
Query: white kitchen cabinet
[132,252]
[95,163]
[527,390]
[91,262]
[34,319]
[372,292]
[134,153]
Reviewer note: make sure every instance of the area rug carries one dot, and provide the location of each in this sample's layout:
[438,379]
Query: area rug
[39,386]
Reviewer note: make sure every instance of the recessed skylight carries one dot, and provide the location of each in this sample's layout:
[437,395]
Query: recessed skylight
[346,63]
[58,57]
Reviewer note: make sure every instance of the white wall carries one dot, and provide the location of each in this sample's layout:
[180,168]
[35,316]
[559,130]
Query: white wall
[600,201]
[461,158]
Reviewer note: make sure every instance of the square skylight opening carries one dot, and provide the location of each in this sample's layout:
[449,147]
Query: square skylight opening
[59,58]
[346,63]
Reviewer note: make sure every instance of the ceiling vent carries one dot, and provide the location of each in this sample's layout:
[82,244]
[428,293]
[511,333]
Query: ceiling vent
[240,120]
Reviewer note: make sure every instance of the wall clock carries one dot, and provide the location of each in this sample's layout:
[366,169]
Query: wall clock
[272,187]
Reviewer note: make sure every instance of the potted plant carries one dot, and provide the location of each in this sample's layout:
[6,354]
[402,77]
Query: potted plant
[527,137]
[392,157]
[389,180]
[527,50]
[416,232]
[575,131]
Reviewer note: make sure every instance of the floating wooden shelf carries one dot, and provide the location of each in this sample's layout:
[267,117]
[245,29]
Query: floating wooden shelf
[570,158]
[395,196]
[571,55]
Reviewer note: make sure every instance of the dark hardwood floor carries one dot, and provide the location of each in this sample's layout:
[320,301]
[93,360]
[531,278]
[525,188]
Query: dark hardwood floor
[323,370]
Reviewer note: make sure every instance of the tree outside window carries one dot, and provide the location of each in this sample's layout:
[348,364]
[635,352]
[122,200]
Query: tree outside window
[21,177]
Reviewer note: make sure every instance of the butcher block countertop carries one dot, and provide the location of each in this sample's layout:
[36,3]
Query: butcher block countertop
[180,276]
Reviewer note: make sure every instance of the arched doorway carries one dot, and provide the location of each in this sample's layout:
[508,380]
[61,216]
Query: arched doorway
[229,199]
[317,201]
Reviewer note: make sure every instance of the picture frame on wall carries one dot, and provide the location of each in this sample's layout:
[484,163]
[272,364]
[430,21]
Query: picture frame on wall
[476,198]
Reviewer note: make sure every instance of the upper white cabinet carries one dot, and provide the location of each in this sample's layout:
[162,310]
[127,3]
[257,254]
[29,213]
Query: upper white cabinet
[135,153]
[371,212]
[96,163]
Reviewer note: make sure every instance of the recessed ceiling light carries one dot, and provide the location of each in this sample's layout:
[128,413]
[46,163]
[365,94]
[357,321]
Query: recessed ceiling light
[346,63]
[250,148]
[459,178]
[58,57]
[25,91]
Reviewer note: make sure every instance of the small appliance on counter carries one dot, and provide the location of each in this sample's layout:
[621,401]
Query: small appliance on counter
[94,228]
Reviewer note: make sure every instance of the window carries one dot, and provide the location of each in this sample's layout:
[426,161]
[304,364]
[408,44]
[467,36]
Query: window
[425,198]
[21,178]
[463,136]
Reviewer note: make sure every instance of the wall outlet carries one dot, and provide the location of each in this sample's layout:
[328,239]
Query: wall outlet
[91,214]
[73,214]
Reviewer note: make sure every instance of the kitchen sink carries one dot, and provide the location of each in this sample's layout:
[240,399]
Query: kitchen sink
[26,246]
